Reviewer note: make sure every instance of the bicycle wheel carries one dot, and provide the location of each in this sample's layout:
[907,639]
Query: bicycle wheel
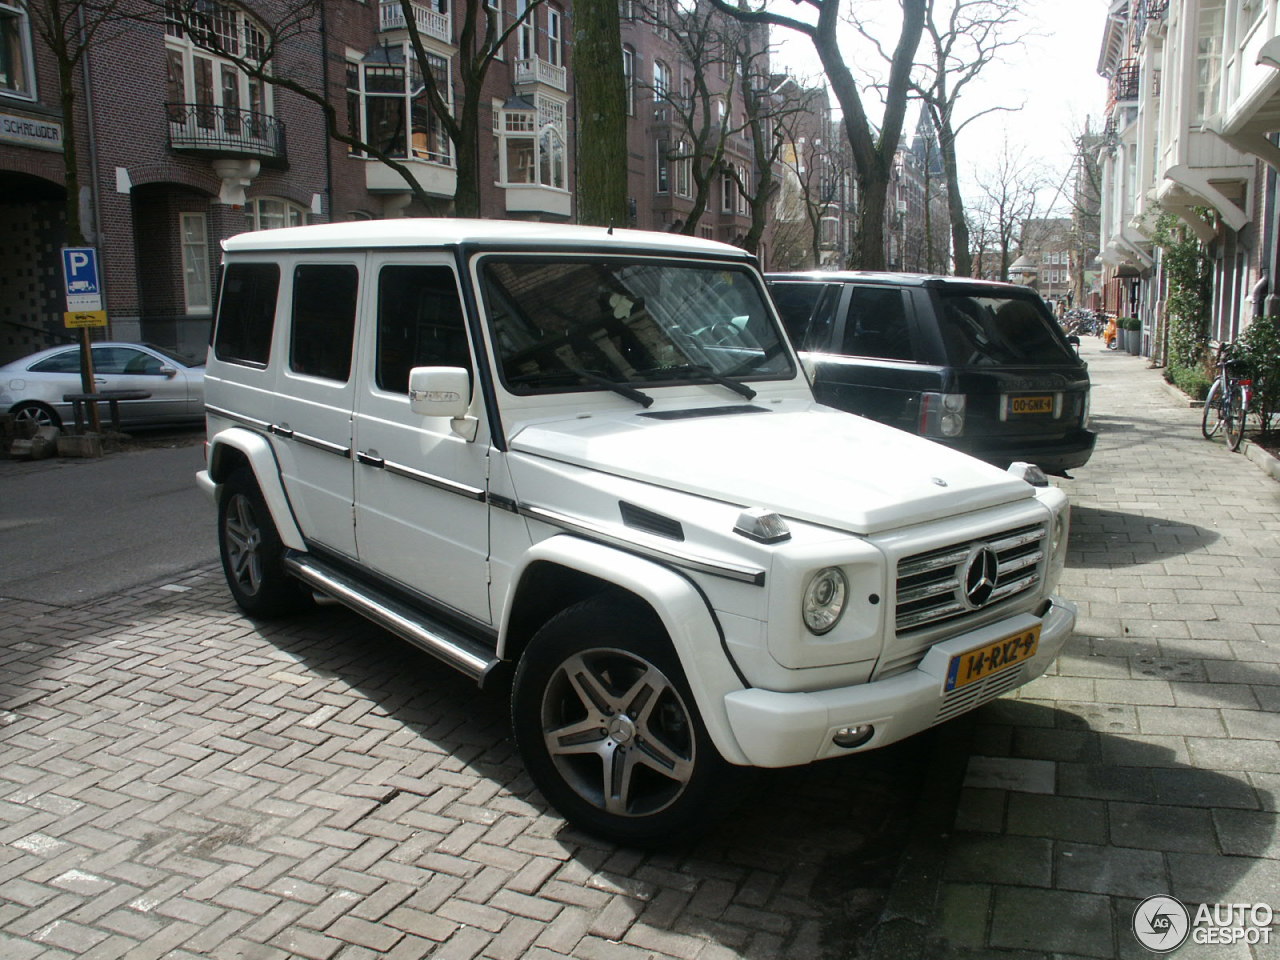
[1211,418]
[1233,415]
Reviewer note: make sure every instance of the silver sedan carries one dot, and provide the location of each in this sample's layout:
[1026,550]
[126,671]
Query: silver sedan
[32,389]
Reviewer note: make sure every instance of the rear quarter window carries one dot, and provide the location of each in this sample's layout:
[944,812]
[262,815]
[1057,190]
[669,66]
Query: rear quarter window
[246,313]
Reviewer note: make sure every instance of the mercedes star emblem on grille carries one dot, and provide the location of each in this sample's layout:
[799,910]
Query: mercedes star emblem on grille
[980,577]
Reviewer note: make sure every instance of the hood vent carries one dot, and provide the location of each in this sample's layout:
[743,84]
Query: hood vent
[650,522]
[705,412]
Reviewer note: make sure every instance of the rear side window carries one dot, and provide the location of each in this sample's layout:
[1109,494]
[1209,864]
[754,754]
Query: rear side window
[979,330]
[877,325]
[420,324]
[66,362]
[324,320]
[807,311]
[246,313]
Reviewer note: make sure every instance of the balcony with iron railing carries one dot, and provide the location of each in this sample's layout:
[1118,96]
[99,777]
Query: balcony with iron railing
[1155,9]
[430,23]
[536,70]
[1125,83]
[203,129]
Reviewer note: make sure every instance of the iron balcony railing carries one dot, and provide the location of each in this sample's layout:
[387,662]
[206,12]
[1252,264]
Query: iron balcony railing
[1155,9]
[224,132]
[1124,85]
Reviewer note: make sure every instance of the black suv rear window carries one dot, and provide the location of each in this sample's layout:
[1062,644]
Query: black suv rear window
[979,329]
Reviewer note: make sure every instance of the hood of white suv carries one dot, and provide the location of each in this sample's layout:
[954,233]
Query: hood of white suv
[801,460]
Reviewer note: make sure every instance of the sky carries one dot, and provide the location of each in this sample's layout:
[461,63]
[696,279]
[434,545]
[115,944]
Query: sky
[1052,78]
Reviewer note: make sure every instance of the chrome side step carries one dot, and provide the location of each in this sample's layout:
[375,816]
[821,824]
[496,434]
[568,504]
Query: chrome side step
[445,643]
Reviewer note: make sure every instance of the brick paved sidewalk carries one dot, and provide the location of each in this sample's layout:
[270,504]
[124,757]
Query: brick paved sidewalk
[177,781]
[1146,762]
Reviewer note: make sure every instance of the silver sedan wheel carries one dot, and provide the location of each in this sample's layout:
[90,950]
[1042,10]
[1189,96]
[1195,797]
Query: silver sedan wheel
[618,732]
[243,536]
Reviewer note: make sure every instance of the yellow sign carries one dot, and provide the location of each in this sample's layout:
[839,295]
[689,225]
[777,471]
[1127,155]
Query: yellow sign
[85,318]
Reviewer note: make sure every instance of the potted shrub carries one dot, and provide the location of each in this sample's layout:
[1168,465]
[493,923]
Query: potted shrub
[1132,328]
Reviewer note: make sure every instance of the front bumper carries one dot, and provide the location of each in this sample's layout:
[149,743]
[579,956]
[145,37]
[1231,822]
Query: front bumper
[785,729]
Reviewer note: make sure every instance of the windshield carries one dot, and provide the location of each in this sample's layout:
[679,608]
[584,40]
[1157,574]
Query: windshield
[979,330]
[588,324]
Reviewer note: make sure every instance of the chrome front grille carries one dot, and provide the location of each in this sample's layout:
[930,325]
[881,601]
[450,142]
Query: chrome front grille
[944,584]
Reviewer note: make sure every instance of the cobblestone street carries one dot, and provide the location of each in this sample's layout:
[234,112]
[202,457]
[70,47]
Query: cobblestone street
[178,781]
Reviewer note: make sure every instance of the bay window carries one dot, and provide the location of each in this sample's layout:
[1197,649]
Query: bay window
[532,147]
[388,107]
[207,89]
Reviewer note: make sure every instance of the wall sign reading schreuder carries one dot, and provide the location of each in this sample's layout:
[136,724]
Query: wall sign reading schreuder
[30,132]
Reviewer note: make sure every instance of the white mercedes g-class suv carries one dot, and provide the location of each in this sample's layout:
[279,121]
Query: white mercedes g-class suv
[591,455]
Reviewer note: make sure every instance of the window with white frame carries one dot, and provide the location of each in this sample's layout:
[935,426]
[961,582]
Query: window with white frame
[683,163]
[662,181]
[525,43]
[271,213]
[206,89]
[1208,77]
[661,80]
[629,77]
[532,146]
[195,263]
[555,24]
[388,107]
[17,77]
[726,191]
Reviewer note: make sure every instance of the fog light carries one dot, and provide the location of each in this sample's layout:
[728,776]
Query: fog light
[853,736]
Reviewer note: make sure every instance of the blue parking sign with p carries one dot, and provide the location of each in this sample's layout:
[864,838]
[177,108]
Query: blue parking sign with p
[80,267]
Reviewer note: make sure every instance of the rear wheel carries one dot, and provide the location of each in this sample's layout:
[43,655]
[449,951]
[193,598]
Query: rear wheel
[608,729]
[36,413]
[252,554]
[1211,417]
[1234,414]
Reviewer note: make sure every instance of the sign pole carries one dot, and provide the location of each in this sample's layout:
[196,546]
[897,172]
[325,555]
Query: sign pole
[84,310]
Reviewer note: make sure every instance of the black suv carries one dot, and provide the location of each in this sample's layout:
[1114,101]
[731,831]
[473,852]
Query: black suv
[979,366]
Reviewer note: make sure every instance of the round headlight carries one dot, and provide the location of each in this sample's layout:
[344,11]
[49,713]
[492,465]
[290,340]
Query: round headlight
[824,599]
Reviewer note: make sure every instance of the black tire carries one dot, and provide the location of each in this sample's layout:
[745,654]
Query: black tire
[1234,415]
[1211,417]
[37,413]
[608,729]
[251,551]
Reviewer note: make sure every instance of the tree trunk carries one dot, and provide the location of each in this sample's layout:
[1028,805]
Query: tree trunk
[955,202]
[602,114]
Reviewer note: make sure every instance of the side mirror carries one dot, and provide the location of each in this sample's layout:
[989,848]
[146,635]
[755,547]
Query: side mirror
[439,391]
[1073,340]
[168,372]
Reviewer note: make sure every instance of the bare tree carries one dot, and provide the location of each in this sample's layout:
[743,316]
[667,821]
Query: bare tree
[480,42]
[872,148]
[819,170]
[963,36]
[1010,191]
[69,29]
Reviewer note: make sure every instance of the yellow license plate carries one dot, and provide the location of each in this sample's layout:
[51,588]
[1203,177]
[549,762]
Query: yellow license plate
[966,668]
[1031,404]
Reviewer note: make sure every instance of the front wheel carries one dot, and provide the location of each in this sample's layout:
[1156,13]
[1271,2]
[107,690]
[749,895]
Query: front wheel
[608,729]
[1235,411]
[1211,417]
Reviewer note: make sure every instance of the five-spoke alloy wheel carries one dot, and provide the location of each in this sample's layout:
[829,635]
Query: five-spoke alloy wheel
[608,728]
[252,554]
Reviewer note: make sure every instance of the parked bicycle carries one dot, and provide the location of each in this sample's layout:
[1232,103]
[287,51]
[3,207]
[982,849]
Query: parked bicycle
[1230,396]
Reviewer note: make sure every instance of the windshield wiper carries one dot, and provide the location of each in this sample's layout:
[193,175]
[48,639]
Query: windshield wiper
[621,389]
[741,389]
